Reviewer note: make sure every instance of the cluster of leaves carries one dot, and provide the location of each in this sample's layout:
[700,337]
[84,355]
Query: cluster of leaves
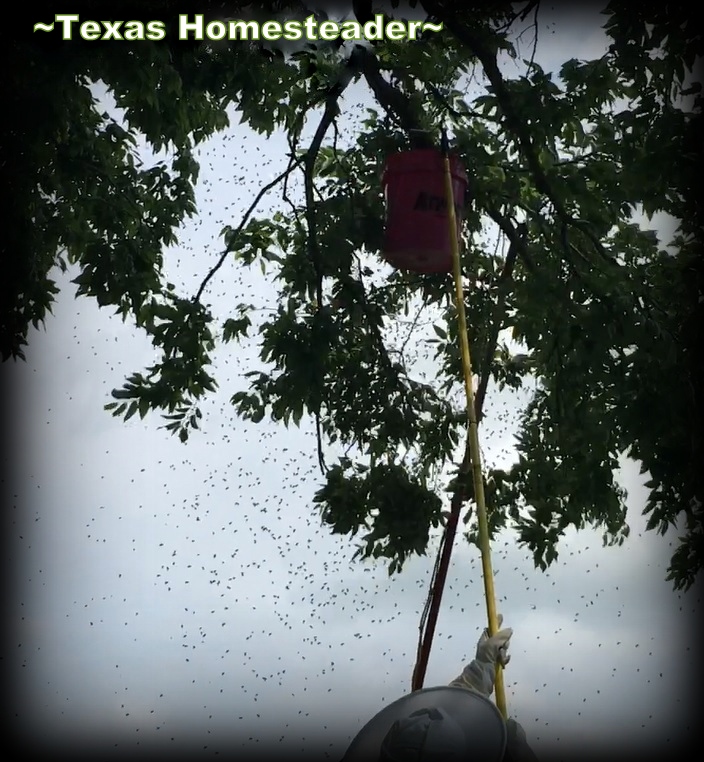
[558,162]
[397,510]
[179,328]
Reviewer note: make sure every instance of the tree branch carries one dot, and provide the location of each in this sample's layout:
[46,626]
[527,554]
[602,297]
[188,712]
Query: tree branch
[395,103]
[477,45]
[514,238]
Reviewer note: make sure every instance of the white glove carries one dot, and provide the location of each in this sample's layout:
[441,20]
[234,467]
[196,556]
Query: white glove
[479,675]
[494,649]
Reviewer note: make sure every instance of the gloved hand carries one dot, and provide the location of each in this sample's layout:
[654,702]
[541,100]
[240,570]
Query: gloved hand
[494,649]
[479,675]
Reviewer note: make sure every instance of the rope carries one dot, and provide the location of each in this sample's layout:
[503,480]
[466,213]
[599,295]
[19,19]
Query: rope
[438,582]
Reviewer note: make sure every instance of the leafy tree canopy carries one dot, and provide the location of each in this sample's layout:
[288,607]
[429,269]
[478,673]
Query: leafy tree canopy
[562,164]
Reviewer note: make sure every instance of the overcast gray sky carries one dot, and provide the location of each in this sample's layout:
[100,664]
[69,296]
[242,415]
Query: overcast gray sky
[171,595]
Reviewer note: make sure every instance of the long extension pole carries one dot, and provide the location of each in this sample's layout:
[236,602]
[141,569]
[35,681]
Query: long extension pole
[484,542]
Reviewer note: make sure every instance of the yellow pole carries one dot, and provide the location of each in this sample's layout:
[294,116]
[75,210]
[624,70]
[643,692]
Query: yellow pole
[475,455]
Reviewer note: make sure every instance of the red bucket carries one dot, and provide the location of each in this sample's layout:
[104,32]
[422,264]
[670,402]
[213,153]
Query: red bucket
[417,236]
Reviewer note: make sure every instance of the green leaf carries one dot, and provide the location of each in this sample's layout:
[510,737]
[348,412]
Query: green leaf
[131,410]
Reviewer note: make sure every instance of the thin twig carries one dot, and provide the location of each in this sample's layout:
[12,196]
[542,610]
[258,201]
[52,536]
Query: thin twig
[414,324]
[535,24]
[514,238]
[239,228]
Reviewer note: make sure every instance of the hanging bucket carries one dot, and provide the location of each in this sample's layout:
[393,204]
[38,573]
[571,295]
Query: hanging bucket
[417,236]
